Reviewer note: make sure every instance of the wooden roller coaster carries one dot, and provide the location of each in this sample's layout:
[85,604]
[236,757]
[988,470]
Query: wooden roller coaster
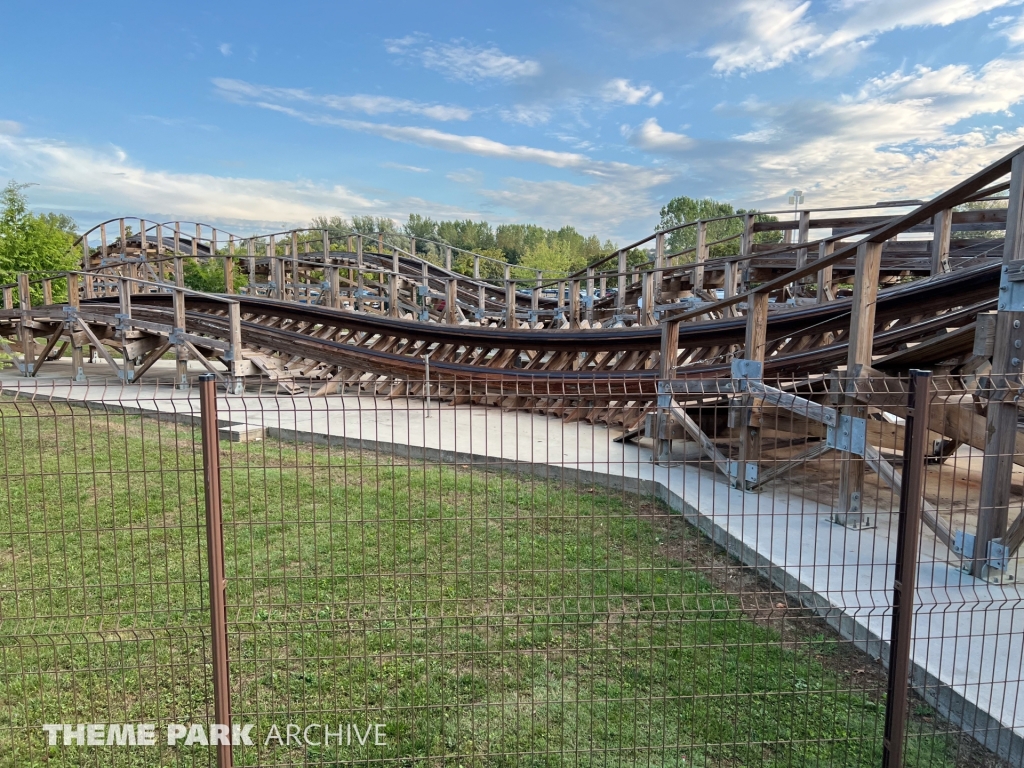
[832,320]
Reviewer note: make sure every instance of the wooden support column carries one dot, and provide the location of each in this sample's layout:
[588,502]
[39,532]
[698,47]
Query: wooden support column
[535,296]
[801,254]
[229,267]
[180,351]
[77,363]
[730,284]
[357,305]
[394,284]
[25,331]
[448,258]
[510,298]
[235,339]
[295,266]
[647,298]
[590,295]
[942,231]
[825,273]
[179,263]
[574,304]
[1001,418]
[747,251]
[334,281]
[276,271]
[667,359]
[451,301]
[620,295]
[251,250]
[750,412]
[850,511]
[659,265]
[700,256]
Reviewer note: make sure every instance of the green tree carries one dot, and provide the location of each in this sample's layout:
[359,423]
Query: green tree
[34,242]
[207,275]
[681,210]
[424,229]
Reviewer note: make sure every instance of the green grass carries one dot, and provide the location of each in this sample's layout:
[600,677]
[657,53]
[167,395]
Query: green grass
[488,619]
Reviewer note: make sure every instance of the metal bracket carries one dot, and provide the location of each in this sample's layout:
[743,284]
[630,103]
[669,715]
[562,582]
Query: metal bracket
[850,435]
[176,336]
[121,321]
[664,401]
[750,472]
[963,544]
[997,568]
[423,290]
[1011,287]
[998,555]
[747,369]
[126,375]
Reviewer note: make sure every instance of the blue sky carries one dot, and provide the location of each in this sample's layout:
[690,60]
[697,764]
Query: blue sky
[254,115]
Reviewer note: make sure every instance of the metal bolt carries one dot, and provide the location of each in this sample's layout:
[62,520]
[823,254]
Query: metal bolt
[1016,323]
[1015,362]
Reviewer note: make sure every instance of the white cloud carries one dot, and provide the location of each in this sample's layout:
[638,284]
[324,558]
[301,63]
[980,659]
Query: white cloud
[81,178]
[10,127]
[480,146]
[774,31]
[872,17]
[402,167]
[460,60]
[769,33]
[244,92]
[622,91]
[526,114]
[652,137]
[225,49]
[465,176]
[1015,32]
[900,135]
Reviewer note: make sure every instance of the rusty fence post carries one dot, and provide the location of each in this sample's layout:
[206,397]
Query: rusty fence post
[215,561]
[907,542]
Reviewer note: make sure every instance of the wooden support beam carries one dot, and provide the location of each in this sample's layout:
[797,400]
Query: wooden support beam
[801,254]
[701,254]
[943,227]
[697,435]
[24,330]
[825,292]
[666,371]
[1002,415]
[750,422]
[861,337]
[510,299]
[620,294]
[77,366]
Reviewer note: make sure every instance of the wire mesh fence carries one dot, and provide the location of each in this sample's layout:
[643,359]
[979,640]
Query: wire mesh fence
[468,580]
